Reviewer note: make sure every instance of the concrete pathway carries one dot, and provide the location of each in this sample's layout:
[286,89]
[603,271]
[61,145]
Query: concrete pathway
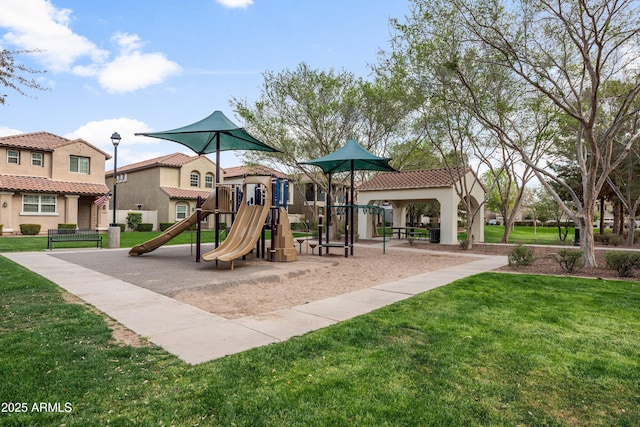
[197,336]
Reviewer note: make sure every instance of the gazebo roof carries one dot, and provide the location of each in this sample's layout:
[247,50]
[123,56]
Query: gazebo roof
[425,178]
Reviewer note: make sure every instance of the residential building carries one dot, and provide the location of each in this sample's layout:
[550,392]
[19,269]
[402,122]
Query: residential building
[49,180]
[168,184]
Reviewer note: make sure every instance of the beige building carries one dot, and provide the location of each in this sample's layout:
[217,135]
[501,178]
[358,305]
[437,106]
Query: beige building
[49,180]
[168,184]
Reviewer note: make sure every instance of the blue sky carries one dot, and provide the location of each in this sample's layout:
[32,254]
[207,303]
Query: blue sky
[147,65]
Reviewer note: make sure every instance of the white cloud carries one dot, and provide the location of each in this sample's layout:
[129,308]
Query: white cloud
[99,132]
[6,131]
[46,29]
[131,69]
[235,3]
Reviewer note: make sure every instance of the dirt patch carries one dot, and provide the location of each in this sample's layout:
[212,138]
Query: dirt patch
[120,334]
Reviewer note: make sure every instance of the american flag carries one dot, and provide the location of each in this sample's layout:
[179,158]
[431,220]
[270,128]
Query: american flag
[100,201]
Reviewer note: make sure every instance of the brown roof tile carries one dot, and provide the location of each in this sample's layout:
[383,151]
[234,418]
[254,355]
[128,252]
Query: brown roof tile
[182,193]
[237,171]
[42,141]
[174,160]
[427,178]
[46,185]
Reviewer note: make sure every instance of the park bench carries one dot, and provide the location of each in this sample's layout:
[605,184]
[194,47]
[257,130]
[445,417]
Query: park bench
[77,235]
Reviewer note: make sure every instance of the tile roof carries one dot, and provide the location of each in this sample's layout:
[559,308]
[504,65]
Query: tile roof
[237,171]
[42,141]
[426,178]
[174,160]
[183,193]
[46,185]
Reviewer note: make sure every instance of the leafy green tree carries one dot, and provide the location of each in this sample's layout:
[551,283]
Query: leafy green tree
[570,53]
[11,73]
[308,113]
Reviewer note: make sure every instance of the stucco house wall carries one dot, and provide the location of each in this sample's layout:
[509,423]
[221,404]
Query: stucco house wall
[162,183]
[38,185]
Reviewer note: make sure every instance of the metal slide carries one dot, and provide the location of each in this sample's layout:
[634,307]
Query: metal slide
[245,230]
[208,208]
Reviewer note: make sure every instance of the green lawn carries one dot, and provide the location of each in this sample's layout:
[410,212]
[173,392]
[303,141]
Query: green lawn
[493,349]
[519,235]
[127,240]
[526,235]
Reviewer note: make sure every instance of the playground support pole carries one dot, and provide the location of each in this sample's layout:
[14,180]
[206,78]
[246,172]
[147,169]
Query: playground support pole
[328,212]
[320,231]
[216,216]
[198,231]
[275,196]
[346,227]
[351,229]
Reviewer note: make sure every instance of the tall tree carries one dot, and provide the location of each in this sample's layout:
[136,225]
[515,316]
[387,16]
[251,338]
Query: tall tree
[308,113]
[571,53]
[12,74]
[435,57]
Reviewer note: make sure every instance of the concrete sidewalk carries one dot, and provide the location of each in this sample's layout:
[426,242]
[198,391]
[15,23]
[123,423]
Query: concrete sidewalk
[197,336]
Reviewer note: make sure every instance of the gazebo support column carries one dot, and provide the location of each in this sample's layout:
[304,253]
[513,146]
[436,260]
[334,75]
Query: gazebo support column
[399,213]
[449,219]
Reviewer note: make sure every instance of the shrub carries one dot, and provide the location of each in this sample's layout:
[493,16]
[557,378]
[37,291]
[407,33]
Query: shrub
[614,239]
[570,260]
[67,226]
[165,225]
[1,225]
[144,227]
[625,263]
[30,229]
[134,219]
[521,256]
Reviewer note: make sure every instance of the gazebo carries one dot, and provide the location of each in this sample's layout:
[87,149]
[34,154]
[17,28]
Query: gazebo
[402,188]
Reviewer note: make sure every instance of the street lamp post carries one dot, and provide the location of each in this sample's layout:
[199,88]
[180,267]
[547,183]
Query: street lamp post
[114,228]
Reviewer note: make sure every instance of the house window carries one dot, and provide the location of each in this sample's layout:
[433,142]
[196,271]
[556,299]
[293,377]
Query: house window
[13,157]
[36,203]
[208,180]
[79,164]
[309,192]
[37,159]
[194,179]
[181,211]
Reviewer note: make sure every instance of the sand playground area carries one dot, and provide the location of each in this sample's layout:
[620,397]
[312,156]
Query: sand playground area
[257,286]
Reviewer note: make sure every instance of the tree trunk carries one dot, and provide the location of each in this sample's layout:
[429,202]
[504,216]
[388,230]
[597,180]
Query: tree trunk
[632,226]
[507,231]
[469,241]
[585,223]
[616,218]
[602,201]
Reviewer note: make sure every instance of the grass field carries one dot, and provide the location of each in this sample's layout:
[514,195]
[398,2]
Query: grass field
[519,235]
[127,240]
[493,349]
[526,235]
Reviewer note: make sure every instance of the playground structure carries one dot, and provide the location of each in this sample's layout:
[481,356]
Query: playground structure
[248,228]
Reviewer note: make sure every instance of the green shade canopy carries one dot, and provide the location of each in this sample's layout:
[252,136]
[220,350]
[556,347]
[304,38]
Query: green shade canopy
[350,158]
[211,135]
